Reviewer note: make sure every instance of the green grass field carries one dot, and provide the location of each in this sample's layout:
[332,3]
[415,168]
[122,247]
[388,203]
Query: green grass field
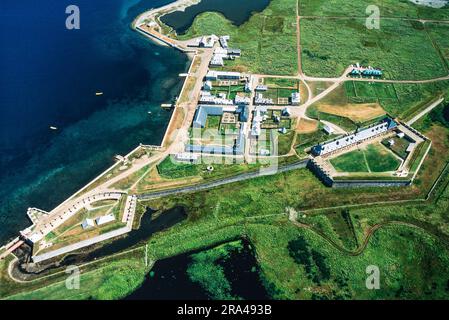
[109,278]
[285,142]
[353,161]
[374,158]
[397,99]
[440,35]
[388,8]
[213,122]
[281,82]
[393,48]
[380,159]
[171,169]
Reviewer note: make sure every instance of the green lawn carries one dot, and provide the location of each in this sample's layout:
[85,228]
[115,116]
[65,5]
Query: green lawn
[375,158]
[171,169]
[380,159]
[353,161]
[285,142]
[402,254]
[281,82]
[110,278]
[399,147]
[213,122]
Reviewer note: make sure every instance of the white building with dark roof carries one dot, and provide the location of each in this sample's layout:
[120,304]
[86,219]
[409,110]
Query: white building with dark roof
[296,98]
[328,129]
[222,75]
[187,157]
[216,61]
[234,52]
[248,84]
[261,87]
[259,99]
[242,99]
[358,136]
[257,121]
[207,85]
[224,41]
[207,98]
[286,112]
[208,41]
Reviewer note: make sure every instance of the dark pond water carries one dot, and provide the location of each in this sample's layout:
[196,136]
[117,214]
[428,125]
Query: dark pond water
[237,11]
[242,272]
[148,227]
[168,280]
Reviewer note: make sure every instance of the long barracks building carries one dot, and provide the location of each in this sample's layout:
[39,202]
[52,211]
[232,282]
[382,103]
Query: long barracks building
[358,136]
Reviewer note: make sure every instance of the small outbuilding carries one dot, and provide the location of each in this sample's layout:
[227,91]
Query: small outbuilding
[261,87]
[328,129]
[105,219]
[286,112]
[87,223]
[296,98]
[208,85]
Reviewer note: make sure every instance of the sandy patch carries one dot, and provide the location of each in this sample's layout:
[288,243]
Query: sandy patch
[356,112]
[306,126]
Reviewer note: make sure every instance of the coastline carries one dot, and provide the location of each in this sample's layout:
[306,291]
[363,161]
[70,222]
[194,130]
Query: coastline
[179,5]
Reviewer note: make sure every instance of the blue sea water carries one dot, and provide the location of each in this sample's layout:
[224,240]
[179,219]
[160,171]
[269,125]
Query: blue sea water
[49,76]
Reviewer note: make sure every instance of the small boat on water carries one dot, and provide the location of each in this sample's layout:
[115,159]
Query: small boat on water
[149,112]
[98,93]
[53,128]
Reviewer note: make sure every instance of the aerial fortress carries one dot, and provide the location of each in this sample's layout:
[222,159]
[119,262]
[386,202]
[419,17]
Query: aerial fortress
[241,116]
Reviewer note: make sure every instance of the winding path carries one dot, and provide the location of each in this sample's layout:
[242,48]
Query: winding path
[369,233]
